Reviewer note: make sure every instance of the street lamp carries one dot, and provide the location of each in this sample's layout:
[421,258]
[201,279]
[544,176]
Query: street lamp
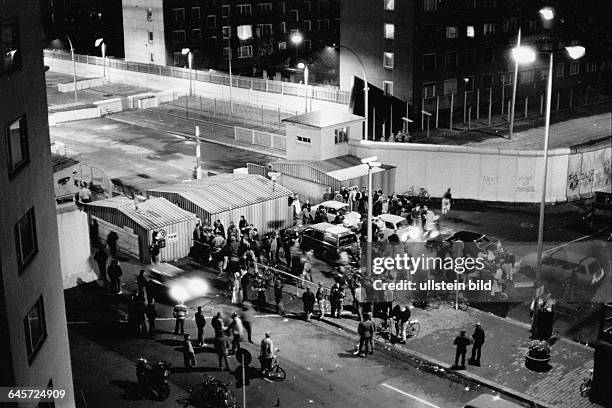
[365,86]
[466,80]
[189,54]
[57,44]
[428,114]
[304,67]
[372,163]
[100,43]
[547,14]
[525,55]
[297,38]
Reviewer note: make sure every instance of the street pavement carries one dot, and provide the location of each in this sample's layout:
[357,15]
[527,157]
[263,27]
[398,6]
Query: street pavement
[144,157]
[318,358]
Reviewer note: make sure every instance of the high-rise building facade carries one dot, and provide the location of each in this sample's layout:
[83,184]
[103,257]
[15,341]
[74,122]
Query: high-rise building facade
[424,51]
[259,33]
[34,350]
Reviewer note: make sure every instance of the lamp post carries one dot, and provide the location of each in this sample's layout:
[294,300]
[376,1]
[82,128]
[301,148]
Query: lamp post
[428,115]
[547,14]
[100,43]
[74,80]
[304,67]
[525,55]
[229,60]
[372,163]
[365,87]
[296,39]
[189,54]
[466,80]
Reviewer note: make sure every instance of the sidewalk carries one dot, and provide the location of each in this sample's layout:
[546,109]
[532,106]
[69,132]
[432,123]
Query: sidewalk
[503,355]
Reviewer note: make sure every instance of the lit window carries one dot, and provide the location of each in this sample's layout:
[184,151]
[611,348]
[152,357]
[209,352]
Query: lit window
[470,31]
[226,30]
[450,86]
[341,135]
[16,137]
[560,69]
[526,76]
[389,4]
[488,29]
[430,5]
[150,36]
[10,57]
[389,31]
[574,68]
[282,45]
[388,88]
[225,11]
[451,32]
[26,243]
[303,139]
[388,60]
[429,90]
[149,14]
[35,329]
[178,14]
[244,32]
[195,13]
[211,21]
[245,51]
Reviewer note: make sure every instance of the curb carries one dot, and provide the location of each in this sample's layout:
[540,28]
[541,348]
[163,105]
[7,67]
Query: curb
[204,139]
[464,374]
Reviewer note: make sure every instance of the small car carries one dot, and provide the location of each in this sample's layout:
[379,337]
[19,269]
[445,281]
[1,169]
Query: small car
[559,264]
[328,241]
[395,224]
[474,242]
[334,208]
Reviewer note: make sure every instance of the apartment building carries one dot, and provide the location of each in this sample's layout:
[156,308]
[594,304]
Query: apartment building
[424,51]
[258,33]
[34,350]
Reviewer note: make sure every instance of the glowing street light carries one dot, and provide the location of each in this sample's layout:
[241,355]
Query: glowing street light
[547,13]
[100,43]
[189,54]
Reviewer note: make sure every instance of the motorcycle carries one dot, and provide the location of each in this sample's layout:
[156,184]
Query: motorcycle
[212,393]
[153,378]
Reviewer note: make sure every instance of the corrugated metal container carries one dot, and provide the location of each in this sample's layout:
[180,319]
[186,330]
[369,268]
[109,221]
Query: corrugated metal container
[154,214]
[226,197]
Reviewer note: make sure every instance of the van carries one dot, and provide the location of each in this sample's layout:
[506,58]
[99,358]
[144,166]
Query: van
[491,401]
[328,241]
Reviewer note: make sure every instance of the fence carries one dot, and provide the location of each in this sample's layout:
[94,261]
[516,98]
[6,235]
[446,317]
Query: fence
[257,137]
[265,85]
[249,113]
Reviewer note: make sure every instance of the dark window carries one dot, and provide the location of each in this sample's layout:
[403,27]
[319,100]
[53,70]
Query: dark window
[487,81]
[178,14]
[195,13]
[35,329]
[429,62]
[196,35]
[225,11]
[470,57]
[211,21]
[179,36]
[341,135]
[16,137]
[488,55]
[26,243]
[244,9]
[450,59]
[10,55]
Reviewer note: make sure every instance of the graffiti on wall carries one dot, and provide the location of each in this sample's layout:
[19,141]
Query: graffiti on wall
[587,172]
[525,184]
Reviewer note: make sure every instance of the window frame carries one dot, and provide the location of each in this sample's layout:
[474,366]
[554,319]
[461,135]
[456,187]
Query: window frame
[470,29]
[559,69]
[193,12]
[150,36]
[149,14]
[223,32]
[430,5]
[574,68]
[24,145]
[386,55]
[341,135]
[427,85]
[214,21]
[447,57]
[451,32]
[449,81]
[435,61]
[491,30]
[389,5]
[175,34]
[304,140]
[526,77]
[31,348]
[24,259]
[248,54]
[307,25]
[175,14]
[389,31]
[241,8]
[223,10]
[384,88]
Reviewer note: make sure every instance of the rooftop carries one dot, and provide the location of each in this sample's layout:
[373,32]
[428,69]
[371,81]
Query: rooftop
[324,118]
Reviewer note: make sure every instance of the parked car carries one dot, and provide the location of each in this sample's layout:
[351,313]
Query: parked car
[333,208]
[328,241]
[474,242]
[559,264]
[395,224]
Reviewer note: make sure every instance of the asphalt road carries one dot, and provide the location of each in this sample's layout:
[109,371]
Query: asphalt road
[144,157]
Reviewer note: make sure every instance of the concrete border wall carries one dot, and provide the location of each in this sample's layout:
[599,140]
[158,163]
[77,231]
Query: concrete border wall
[83,84]
[494,174]
[76,114]
[109,106]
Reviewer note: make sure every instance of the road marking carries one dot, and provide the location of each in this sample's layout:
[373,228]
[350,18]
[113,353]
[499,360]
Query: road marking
[410,395]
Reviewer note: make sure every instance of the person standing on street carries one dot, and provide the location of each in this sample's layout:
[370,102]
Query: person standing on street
[266,353]
[111,241]
[218,325]
[247,320]
[101,257]
[321,296]
[200,322]
[278,295]
[114,273]
[188,353]
[358,300]
[366,332]
[308,299]
[180,314]
[446,202]
[461,341]
[478,337]
[336,299]
[142,281]
[151,314]
[237,328]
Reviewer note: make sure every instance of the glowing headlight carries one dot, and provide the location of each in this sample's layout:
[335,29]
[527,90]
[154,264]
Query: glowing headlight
[197,286]
[178,293]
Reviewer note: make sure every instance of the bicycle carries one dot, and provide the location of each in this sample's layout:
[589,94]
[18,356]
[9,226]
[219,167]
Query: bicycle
[386,325]
[587,382]
[276,373]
